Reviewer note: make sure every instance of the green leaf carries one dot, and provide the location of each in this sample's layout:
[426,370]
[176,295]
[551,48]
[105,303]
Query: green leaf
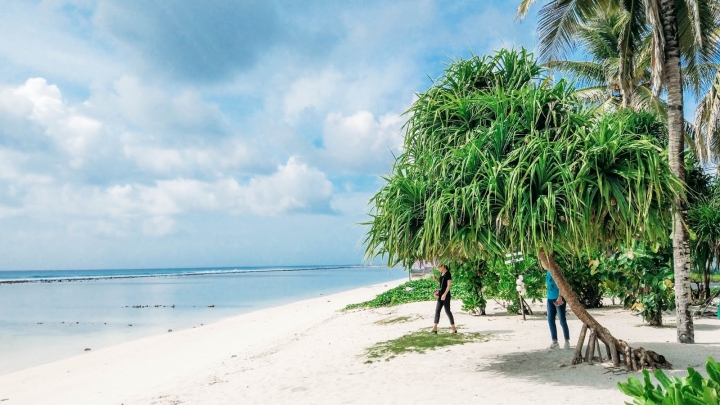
[710,396]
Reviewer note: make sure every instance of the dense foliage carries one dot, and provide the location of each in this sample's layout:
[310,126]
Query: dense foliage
[704,221]
[501,282]
[500,159]
[642,278]
[691,390]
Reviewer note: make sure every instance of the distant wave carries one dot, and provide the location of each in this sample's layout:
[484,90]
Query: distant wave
[46,278]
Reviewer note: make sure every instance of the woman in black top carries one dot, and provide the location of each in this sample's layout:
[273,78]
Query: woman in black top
[444,298]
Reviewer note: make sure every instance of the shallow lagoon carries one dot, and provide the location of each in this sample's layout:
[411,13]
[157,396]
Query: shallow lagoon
[42,322]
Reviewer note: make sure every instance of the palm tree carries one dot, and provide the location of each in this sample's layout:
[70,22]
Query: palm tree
[680,29]
[598,79]
[499,159]
[707,116]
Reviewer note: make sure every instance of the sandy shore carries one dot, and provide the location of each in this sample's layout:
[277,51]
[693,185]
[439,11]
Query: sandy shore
[309,352]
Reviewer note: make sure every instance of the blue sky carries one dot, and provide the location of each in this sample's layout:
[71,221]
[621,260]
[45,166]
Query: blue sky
[216,133]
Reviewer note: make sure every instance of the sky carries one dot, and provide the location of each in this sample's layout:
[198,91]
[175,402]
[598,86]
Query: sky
[146,134]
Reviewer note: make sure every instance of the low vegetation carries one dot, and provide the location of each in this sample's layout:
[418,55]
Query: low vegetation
[693,389]
[412,291]
[420,342]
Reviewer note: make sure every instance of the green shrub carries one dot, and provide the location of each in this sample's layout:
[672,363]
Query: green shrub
[471,274]
[691,390]
[500,282]
[643,278]
[584,280]
[422,290]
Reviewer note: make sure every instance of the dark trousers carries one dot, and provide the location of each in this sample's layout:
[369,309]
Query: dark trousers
[553,309]
[439,306]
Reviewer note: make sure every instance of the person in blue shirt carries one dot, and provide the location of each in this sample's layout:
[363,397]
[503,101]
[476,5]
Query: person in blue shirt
[556,305]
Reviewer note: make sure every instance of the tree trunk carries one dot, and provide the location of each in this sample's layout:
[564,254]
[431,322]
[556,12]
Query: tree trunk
[676,150]
[635,359]
[706,276]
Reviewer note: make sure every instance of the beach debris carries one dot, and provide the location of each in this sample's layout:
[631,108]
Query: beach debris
[234,355]
[87,349]
[409,288]
[211,306]
[169,330]
[149,306]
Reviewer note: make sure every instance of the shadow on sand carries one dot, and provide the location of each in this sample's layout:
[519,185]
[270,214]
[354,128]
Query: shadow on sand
[554,366]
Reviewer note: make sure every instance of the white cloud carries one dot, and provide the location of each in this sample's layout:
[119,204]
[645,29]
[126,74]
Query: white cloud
[42,103]
[231,155]
[294,187]
[360,143]
[155,159]
[158,111]
[311,92]
[158,226]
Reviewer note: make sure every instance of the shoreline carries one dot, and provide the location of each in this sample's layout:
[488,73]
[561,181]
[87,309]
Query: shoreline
[310,352]
[43,325]
[179,274]
[121,362]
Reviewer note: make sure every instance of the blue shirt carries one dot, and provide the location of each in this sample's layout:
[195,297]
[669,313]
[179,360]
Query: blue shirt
[553,292]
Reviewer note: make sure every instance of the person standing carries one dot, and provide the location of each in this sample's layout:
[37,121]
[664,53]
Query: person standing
[556,305]
[444,298]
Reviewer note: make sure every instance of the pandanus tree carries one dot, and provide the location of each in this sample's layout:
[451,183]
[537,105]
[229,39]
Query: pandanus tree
[498,158]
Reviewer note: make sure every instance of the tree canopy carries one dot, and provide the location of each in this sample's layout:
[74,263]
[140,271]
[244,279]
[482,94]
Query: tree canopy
[498,157]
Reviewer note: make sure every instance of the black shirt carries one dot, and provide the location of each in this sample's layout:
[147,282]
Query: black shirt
[444,282]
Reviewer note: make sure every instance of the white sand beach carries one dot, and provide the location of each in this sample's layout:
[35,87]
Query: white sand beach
[309,352]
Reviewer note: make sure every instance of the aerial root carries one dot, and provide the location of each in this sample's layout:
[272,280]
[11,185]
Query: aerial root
[618,351]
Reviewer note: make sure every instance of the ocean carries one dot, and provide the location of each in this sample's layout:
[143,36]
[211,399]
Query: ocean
[50,315]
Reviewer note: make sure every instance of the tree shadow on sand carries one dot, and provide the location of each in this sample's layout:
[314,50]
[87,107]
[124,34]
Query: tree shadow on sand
[555,366]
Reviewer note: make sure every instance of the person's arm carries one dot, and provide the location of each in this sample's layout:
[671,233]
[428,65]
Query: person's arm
[447,290]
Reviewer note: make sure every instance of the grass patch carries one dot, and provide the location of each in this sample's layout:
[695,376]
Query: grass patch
[420,342]
[422,290]
[398,319]
[698,278]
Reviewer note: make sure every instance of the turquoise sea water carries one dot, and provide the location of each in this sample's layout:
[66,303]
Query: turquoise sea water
[50,315]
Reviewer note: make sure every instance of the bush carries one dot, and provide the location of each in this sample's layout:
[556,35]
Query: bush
[584,280]
[471,274]
[691,390]
[643,278]
[422,290]
[500,281]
